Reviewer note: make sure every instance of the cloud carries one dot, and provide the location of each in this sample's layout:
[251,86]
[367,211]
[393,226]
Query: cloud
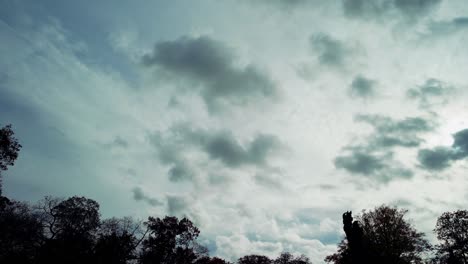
[432,92]
[269,180]
[139,195]
[380,167]
[362,87]
[118,142]
[224,147]
[391,133]
[437,158]
[360,163]
[186,150]
[380,10]
[374,157]
[445,27]
[441,157]
[169,152]
[331,52]
[180,172]
[184,206]
[283,4]
[218,145]
[177,205]
[210,69]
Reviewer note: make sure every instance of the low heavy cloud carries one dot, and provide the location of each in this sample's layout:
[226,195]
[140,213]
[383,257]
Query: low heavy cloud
[330,51]
[374,157]
[218,146]
[380,9]
[210,68]
[389,132]
[140,195]
[441,157]
[362,87]
[431,93]
[377,166]
[443,28]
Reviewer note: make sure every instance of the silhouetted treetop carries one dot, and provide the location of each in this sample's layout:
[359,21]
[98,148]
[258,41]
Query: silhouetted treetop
[452,231]
[171,240]
[380,236]
[254,259]
[9,149]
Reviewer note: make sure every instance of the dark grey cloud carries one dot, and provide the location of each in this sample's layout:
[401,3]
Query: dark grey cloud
[389,132]
[283,4]
[362,87]
[224,147]
[209,67]
[374,157]
[430,93]
[270,180]
[435,159]
[414,8]
[139,195]
[177,205]
[180,172]
[441,157]
[443,28]
[219,146]
[360,162]
[382,10]
[331,51]
[460,143]
[380,167]
[169,151]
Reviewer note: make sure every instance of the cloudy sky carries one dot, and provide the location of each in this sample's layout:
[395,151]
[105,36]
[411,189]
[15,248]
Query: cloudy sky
[261,120]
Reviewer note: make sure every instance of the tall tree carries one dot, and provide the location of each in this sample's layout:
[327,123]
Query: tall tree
[171,241]
[117,240]
[288,258]
[70,226]
[452,230]
[208,260]
[20,233]
[9,148]
[380,236]
[255,259]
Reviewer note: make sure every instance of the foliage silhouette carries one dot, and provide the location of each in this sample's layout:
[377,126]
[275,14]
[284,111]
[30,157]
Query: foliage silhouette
[254,259]
[117,241]
[20,233]
[380,236]
[171,241]
[71,226]
[452,231]
[9,148]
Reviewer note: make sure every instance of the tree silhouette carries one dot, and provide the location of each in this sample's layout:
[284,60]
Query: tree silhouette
[116,241]
[20,233]
[9,148]
[70,225]
[288,258]
[208,260]
[452,230]
[386,238]
[254,259]
[171,241]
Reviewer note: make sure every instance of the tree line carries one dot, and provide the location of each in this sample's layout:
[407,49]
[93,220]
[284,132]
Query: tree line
[58,230]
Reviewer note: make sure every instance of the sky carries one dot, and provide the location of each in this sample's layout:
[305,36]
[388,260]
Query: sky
[262,121]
